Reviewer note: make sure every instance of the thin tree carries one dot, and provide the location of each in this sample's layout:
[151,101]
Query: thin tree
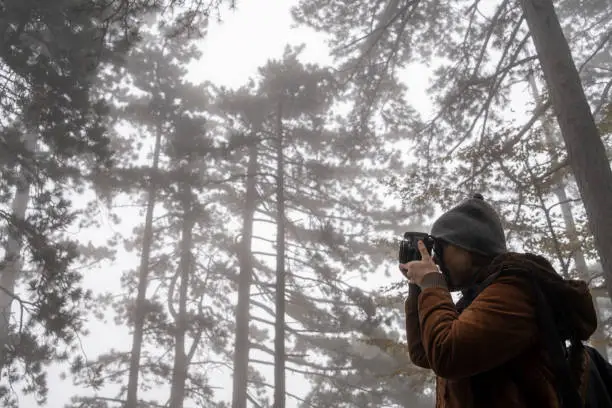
[279,326]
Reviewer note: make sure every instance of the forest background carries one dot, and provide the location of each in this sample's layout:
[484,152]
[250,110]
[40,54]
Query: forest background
[186,184]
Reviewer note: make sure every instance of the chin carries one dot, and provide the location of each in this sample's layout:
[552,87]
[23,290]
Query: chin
[456,285]
[453,286]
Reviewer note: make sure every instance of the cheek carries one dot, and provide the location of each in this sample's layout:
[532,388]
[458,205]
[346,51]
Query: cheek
[456,268]
[449,260]
[449,265]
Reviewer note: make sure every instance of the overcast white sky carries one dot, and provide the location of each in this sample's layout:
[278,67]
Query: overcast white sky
[247,38]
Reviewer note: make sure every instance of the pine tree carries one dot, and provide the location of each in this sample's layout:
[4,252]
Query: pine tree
[325,224]
[240,114]
[52,145]
[175,328]
[52,142]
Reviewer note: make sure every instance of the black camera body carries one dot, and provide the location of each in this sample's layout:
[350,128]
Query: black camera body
[409,249]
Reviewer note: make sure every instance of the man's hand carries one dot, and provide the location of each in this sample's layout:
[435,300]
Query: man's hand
[416,270]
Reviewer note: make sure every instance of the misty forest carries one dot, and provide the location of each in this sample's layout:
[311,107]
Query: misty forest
[177,242]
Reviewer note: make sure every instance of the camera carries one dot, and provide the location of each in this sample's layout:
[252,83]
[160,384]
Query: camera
[409,249]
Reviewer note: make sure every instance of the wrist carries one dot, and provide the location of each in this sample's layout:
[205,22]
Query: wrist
[413,289]
[433,280]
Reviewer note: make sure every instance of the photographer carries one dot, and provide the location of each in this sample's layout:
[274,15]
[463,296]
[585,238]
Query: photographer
[492,349]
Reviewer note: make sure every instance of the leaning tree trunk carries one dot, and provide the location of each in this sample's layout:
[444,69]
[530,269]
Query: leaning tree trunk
[279,324]
[11,265]
[241,346]
[143,280]
[599,337]
[179,372]
[586,151]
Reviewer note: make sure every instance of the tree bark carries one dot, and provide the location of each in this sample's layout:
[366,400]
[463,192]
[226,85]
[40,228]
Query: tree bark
[241,345]
[179,371]
[586,152]
[279,324]
[143,281]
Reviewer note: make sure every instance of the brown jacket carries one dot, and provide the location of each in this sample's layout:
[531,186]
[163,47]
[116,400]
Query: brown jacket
[490,355]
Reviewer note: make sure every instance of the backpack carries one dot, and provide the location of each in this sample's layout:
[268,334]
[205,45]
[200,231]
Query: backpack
[599,391]
[599,387]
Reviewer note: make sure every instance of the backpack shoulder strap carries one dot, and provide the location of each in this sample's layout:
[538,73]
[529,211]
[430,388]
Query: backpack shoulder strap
[490,279]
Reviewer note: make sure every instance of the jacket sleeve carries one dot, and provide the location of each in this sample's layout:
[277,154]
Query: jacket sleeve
[413,331]
[499,324]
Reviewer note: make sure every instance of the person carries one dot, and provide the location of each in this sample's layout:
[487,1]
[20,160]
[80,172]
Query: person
[488,350]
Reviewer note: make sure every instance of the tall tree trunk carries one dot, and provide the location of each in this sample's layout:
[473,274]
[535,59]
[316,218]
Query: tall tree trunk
[586,151]
[279,324]
[241,345]
[140,310]
[179,373]
[599,337]
[11,265]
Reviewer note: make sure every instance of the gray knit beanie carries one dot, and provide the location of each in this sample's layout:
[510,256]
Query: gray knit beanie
[472,225]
